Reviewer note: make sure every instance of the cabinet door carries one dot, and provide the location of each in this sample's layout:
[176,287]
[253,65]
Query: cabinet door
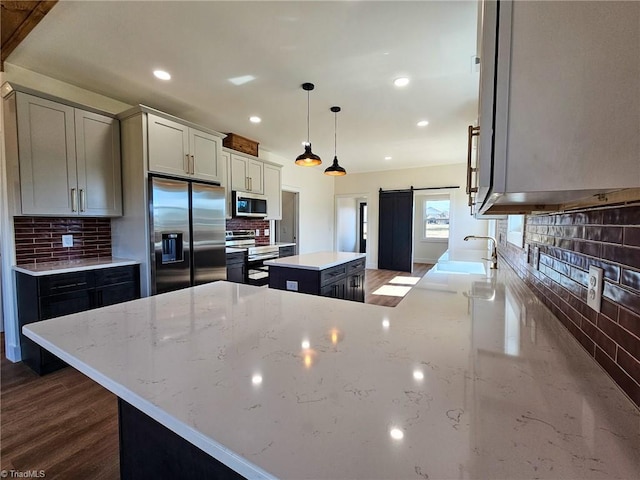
[47,156]
[168,147]
[204,149]
[99,168]
[122,292]
[256,173]
[335,290]
[355,287]
[273,192]
[239,173]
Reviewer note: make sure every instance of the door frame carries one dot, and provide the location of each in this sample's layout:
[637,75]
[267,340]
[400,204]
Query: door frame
[296,218]
[360,211]
[354,196]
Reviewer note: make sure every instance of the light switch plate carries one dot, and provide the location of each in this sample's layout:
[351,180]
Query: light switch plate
[257,232]
[594,288]
[266,232]
[67,240]
[535,260]
[292,285]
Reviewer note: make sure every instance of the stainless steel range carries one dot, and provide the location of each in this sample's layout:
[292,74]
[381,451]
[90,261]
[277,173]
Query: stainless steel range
[257,272]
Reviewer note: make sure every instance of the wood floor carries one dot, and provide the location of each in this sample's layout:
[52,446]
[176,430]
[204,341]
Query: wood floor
[62,423]
[374,279]
[67,425]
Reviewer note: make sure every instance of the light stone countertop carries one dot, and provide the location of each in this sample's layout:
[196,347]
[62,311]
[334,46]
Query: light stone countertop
[68,266]
[470,376]
[316,260]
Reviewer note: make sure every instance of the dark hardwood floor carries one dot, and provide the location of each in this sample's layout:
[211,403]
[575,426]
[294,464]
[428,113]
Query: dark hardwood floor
[374,279]
[63,423]
[66,425]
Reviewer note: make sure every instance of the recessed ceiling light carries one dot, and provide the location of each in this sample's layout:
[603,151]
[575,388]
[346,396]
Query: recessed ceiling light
[162,75]
[255,119]
[396,434]
[422,123]
[388,158]
[401,82]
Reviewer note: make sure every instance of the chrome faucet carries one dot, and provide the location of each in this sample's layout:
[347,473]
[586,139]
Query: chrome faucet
[494,251]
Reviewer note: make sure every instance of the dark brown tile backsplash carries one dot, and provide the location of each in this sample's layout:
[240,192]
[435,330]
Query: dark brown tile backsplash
[251,224]
[39,239]
[569,243]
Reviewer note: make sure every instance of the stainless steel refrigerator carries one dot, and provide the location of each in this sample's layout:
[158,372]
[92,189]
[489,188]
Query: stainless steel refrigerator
[187,226]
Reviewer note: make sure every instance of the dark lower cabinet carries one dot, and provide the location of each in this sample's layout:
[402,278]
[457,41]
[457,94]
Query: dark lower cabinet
[344,281]
[49,296]
[237,267]
[288,251]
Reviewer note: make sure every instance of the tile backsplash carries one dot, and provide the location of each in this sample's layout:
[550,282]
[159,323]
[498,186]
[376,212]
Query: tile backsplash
[39,239]
[251,224]
[568,244]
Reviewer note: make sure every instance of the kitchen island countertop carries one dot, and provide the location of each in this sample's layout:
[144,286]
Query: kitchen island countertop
[470,376]
[316,260]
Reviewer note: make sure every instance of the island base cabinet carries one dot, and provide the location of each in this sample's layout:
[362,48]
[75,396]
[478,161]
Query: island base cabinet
[150,450]
[345,281]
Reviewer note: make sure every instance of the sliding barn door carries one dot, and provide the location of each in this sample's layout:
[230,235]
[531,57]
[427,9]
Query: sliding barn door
[395,231]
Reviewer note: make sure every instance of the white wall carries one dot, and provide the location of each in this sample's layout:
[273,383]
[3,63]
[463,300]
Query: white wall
[346,221]
[315,196]
[462,223]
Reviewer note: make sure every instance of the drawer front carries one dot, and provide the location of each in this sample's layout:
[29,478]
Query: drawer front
[356,266]
[67,303]
[332,274]
[286,251]
[66,282]
[113,294]
[114,275]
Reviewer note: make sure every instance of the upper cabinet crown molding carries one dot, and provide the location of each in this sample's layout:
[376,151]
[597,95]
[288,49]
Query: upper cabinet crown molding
[145,109]
[559,106]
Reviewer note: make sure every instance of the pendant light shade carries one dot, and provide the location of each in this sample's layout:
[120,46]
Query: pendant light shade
[308,158]
[335,169]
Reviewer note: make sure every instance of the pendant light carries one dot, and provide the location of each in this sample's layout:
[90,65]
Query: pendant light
[308,158]
[335,169]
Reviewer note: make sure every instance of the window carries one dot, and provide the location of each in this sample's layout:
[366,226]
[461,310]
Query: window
[436,217]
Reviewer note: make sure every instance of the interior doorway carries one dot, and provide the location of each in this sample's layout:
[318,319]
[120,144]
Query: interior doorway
[362,227]
[350,223]
[287,228]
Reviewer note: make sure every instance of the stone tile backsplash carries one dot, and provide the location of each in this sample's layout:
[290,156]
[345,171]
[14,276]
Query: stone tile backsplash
[39,239]
[569,243]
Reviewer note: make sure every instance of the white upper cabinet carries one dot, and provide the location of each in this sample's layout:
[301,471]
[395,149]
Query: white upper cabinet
[246,174]
[273,191]
[179,150]
[559,103]
[69,159]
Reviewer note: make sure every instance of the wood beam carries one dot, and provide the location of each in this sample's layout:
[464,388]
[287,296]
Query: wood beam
[18,18]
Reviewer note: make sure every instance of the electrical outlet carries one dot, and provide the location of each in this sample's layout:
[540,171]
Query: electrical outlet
[257,232]
[594,292]
[67,240]
[266,232]
[292,285]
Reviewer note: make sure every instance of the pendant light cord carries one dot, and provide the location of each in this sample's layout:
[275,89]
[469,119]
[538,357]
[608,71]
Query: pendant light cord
[335,135]
[308,120]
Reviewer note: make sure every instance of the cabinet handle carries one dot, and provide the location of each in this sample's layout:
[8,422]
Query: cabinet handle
[193,165]
[74,200]
[83,200]
[246,183]
[185,165]
[472,132]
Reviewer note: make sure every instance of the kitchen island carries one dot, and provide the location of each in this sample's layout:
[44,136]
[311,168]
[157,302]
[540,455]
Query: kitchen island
[469,377]
[329,274]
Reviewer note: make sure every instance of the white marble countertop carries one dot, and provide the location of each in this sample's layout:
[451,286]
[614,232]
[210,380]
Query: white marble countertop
[284,244]
[234,250]
[68,266]
[469,377]
[316,260]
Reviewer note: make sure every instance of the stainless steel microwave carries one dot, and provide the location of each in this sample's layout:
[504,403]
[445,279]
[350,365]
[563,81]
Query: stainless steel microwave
[249,205]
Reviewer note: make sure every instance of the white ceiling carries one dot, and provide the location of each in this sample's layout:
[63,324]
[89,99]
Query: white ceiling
[351,51]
